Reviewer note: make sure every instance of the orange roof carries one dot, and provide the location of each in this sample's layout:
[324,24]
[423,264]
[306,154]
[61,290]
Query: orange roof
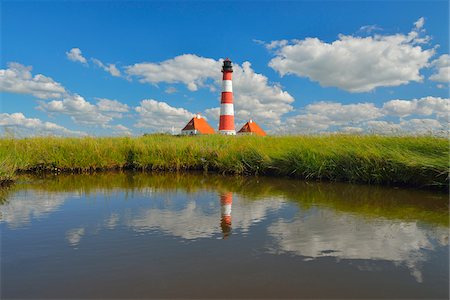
[200,124]
[252,127]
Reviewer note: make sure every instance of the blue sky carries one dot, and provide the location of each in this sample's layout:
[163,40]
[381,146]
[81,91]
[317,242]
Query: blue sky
[129,67]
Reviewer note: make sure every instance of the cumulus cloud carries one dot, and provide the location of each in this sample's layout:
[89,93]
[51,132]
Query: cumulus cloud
[416,126]
[366,117]
[17,78]
[83,112]
[254,95]
[34,126]
[160,116]
[75,55]
[189,69]
[442,69]
[423,106]
[110,68]
[170,90]
[104,104]
[356,64]
[370,28]
[121,130]
[419,23]
[321,116]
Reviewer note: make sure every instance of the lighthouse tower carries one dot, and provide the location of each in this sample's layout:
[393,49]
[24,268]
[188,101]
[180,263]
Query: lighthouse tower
[226,123]
[226,200]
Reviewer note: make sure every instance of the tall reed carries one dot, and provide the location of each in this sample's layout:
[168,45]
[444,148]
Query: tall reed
[415,161]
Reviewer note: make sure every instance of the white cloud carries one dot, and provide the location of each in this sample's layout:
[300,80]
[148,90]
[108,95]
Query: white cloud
[276,44]
[112,105]
[81,111]
[345,113]
[412,126]
[160,116]
[18,79]
[351,129]
[75,55]
[33,126]
[384,127]
[170,90]
[254,96]
[189,69]
[423,106]
[110,68]
[320,116]
[369,28]
[419,23]
[356,64]
[442,68]
[366,117]
[121,130]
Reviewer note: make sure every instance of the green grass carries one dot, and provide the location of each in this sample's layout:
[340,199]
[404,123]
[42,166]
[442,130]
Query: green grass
[414,161]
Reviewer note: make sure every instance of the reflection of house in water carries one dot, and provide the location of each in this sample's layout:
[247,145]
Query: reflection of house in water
[225,207]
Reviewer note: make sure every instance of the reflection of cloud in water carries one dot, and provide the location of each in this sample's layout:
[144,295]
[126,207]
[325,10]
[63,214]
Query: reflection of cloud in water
[198,219]
[23,206]
[74,236]
[326,233]
[112,221]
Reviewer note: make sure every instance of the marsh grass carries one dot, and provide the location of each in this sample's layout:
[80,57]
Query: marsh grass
[414,161]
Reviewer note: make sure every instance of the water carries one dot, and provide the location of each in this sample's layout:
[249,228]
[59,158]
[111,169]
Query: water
[194,236]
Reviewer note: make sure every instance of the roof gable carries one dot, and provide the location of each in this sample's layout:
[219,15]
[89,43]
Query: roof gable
[252,127]
[200,124]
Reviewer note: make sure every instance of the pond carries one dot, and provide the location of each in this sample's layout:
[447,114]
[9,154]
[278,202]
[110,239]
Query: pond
[133,235]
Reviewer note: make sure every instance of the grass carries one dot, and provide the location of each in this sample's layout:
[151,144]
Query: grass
[412,161]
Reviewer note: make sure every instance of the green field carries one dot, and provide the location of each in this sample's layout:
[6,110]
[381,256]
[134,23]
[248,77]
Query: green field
[412,161]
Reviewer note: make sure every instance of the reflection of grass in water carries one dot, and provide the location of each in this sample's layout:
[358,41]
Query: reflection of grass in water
[417,161]
[366,201]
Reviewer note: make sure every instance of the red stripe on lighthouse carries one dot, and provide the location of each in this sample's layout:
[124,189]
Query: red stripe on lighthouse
[226,122]
[227,97]
[226,76]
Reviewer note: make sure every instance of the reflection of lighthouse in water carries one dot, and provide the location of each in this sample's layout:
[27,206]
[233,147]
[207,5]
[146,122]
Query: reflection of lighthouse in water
[226,200]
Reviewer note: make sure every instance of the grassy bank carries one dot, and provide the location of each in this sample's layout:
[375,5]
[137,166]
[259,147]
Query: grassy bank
[414,161]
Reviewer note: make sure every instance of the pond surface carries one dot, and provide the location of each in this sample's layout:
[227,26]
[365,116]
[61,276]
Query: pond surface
[193,236]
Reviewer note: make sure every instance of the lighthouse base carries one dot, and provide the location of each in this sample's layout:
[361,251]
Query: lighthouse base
[227,132]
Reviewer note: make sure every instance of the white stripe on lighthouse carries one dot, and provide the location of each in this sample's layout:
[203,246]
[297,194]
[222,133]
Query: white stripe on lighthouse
[227,86]
[226,109]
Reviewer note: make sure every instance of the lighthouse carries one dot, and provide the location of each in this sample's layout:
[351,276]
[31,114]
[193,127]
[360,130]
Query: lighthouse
[226,123]
[226,200]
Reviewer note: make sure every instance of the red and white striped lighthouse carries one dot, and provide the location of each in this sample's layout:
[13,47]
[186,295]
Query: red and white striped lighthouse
[226,200]
[226,123]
